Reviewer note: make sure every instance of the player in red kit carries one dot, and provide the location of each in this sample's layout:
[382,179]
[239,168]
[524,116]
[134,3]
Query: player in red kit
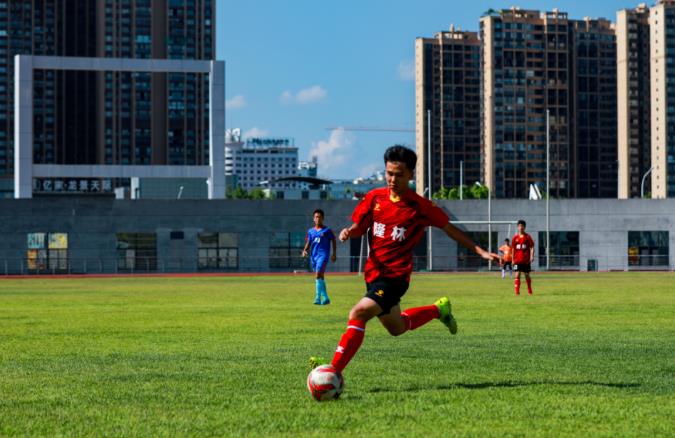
[523,254]
[394,218]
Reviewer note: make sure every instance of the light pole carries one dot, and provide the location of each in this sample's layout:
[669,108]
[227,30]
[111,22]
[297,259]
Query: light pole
[489,226]
[430,261]
[548,187]
[461,180]
[642,185]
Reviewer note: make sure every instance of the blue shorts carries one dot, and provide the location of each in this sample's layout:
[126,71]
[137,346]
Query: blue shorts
[319,264]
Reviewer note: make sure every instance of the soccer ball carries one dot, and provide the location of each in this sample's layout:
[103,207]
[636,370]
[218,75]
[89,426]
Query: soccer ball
[325,383]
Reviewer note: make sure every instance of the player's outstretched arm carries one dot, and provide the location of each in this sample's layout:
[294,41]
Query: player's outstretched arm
[463,239]
[353,231]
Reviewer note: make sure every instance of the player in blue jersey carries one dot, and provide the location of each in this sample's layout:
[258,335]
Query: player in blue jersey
[317,246]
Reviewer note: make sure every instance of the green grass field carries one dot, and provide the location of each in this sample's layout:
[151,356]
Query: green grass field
[589,354]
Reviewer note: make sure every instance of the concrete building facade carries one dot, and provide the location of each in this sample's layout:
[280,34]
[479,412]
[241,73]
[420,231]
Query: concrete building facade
[633,100]
[447,82]
[94,235]
[662,76]
[258,162]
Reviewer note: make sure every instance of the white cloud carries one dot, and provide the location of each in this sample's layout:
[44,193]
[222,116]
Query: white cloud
[369,169]
[334,152]
[256,132]
[238,101]
[286,97]
[406,70]
[306,95]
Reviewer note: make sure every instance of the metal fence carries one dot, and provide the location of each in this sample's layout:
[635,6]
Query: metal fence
[293,264]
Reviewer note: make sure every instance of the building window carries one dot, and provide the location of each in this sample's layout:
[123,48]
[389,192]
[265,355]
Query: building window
[286,250]
[468,259]
[218,251]
[136,252]
[648,248]
[564,249]
[47,252]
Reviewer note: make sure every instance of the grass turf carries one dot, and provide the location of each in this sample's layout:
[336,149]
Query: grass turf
[589,354]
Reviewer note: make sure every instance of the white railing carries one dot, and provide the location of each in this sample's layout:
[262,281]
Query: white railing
[297,264]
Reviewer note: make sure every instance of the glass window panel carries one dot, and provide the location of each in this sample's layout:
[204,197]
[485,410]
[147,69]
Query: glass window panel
[207,240]
[202,259]
[36,240]
[137,251]
[279,240]
[228,240]
[32,259]
[564,249]
[298,239]
[468,259]
[648,248]
[58,240]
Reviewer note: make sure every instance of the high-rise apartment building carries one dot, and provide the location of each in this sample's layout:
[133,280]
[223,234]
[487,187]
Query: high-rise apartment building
[593,168]
[662,77]
[525,71]
[109,117]
[448,83]
[533,62]
[633,100]
[62,100]
[646,100]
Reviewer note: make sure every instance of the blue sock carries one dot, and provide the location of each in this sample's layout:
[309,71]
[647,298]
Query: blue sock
[324,292]
[318,294]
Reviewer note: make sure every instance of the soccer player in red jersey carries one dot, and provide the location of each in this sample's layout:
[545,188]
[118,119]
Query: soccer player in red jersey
[523,254]
[394,217]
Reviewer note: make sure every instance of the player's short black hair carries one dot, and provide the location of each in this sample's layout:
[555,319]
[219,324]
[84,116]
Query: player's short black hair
[400,154]
[522,222]
[318,210]
[506,240]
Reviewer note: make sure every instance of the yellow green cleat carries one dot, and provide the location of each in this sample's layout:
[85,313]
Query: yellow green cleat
[445,309]
[317,361]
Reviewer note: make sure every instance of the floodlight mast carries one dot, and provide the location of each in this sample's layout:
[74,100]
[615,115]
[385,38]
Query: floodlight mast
[548,188]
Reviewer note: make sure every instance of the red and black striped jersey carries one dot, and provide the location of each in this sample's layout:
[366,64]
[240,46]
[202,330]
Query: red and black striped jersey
[395,226]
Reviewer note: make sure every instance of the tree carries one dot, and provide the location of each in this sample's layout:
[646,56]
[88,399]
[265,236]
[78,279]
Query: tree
[474,191]
[479,191]
[237,193]
[442,193]
[241,193]
[258,194]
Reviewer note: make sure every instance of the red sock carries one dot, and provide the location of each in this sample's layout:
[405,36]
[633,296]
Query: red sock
[529,285]
[349,344]
[418,316]
[517,284]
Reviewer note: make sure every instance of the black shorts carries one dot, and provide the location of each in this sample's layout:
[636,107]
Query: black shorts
[523,267]
[507,265]
[386,292]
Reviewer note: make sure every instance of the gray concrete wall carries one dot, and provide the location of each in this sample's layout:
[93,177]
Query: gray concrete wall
[92,224]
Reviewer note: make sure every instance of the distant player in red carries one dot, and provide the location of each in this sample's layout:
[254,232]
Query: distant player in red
[394,218]
[523,254]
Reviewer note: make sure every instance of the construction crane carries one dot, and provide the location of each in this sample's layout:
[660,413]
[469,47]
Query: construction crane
[369,129]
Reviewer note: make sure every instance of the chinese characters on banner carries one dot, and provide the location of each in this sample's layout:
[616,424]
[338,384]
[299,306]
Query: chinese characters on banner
[70,185]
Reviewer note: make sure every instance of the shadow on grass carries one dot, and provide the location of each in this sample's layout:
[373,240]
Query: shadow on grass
[488,385]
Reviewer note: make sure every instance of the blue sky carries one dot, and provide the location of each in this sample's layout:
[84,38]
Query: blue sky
[297,67]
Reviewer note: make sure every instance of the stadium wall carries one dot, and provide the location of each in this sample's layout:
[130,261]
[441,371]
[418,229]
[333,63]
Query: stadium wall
[92,225]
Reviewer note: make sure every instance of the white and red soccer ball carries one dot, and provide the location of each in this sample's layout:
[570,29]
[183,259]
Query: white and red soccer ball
[325,383]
